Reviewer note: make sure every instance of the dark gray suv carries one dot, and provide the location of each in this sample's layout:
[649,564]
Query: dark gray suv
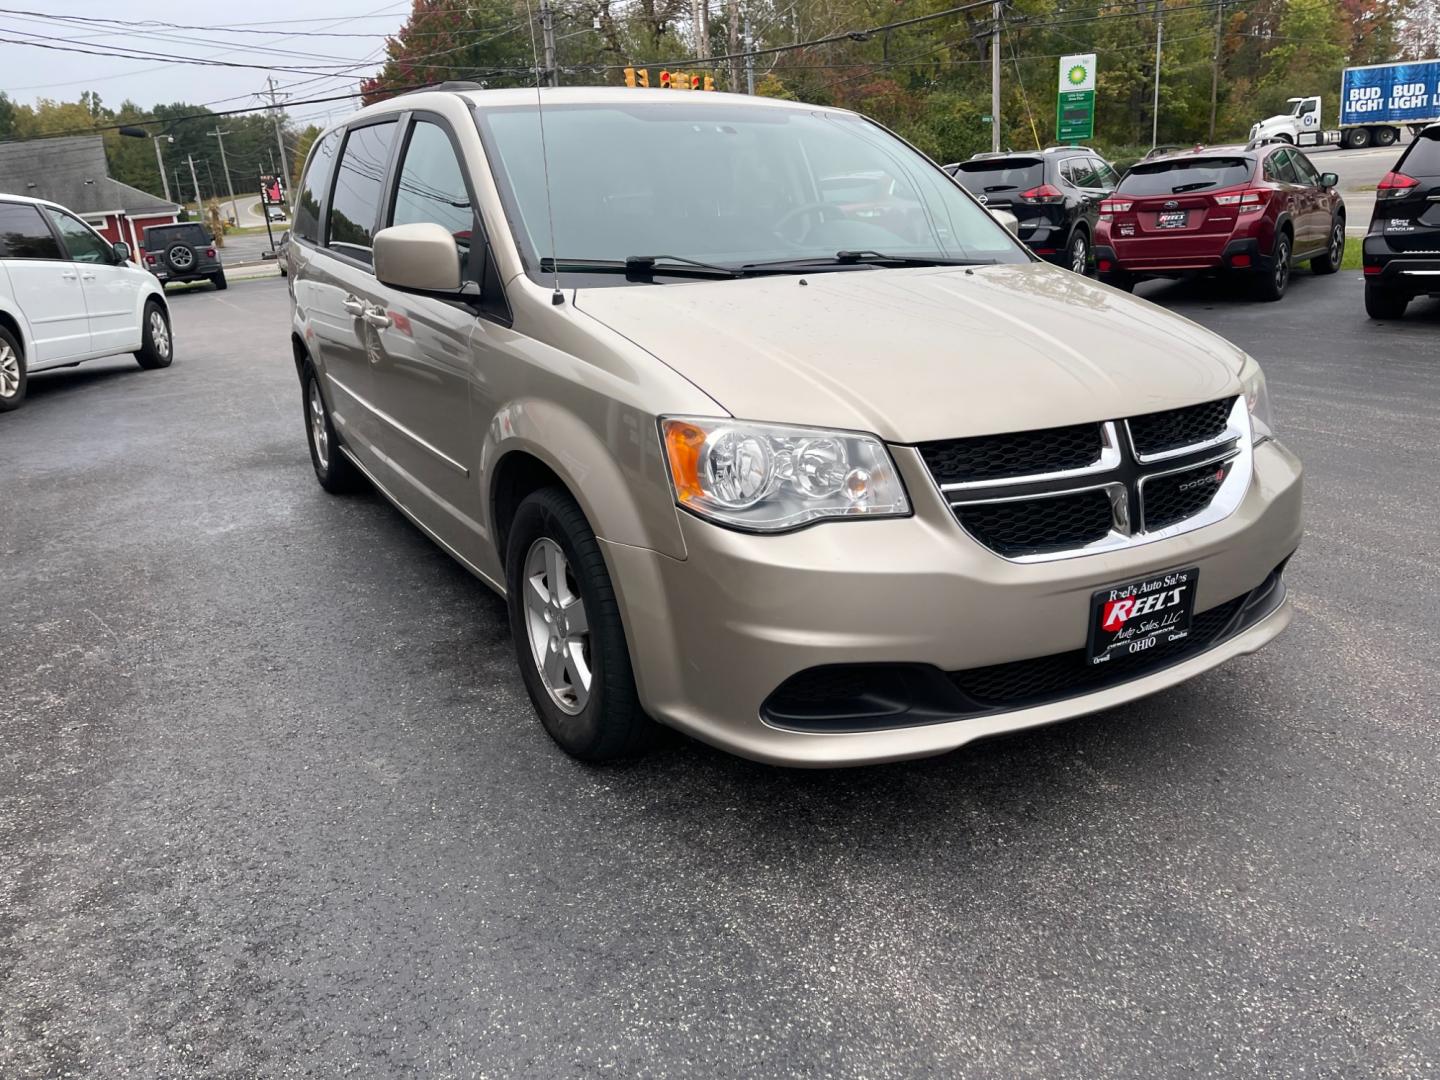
[184,252]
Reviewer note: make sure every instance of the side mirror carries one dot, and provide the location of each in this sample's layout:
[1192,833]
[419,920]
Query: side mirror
[1009,220]
[1329,179]
[420,258]
[122,250]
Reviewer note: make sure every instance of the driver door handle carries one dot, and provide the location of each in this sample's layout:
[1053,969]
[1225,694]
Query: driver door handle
[353,305]
[68,275]
[376,317]
[87,277]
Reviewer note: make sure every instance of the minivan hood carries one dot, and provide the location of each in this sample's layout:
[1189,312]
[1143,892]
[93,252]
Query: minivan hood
[919,354]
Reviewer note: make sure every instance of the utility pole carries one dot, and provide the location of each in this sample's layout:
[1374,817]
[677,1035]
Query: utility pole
[160,163]
[275,116]
[547,32]
[995,79]
[732,43]
[179,187]
[749,59]
[1159,42]
[225,168]
[702,29]
[1215,63]
[199,203]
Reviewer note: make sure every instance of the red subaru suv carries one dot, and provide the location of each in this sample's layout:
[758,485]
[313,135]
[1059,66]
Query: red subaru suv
[1255,210]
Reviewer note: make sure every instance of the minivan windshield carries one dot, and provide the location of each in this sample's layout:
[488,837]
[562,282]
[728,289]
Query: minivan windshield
[727,185]
[1180,175]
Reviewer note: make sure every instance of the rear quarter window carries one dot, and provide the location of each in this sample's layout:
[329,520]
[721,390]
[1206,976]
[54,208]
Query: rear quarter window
[312,187]
[1001,174]
[1423,158]
[1186,174]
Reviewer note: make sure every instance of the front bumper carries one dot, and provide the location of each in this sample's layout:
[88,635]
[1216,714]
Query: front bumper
[714,635]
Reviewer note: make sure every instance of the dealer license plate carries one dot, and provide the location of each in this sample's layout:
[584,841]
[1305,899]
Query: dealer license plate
[1172,219]
[1133,619]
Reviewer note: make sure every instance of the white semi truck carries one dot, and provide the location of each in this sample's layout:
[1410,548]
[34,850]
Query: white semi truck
[1375,103]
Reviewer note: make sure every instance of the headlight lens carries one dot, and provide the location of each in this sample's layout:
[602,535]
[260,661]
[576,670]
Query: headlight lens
[1258,399]
[768,477]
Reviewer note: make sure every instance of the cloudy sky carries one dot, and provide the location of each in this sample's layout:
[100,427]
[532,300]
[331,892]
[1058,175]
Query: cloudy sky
[331,43]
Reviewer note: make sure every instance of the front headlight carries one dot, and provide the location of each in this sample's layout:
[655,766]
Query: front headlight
[769,477]
[1258,400]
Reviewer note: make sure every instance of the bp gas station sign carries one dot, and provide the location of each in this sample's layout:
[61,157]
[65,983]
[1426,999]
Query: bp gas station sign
[1075,102]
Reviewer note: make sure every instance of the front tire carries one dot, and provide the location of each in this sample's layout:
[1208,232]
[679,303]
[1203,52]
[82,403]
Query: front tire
[1270,285]
[336,472]
[13,379]
[568,635]
[1383,303]
[157,344]
[1334,253]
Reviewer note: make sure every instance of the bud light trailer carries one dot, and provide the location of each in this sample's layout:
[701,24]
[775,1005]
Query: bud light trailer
[1376,101]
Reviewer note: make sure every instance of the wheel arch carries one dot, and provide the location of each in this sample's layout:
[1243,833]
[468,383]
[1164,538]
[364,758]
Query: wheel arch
[16,326]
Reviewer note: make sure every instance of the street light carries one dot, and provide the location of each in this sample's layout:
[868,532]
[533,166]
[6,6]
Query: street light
[141,133]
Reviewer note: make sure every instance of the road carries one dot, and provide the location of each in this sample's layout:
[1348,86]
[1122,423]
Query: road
[273,802]
[1359,172]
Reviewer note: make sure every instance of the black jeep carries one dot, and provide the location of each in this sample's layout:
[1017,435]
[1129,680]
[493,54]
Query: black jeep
[183,253]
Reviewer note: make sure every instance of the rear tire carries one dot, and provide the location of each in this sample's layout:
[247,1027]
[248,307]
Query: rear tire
[1078,253]
[336,472]
[1334,252]
[1357,138]
[1386,136]
[13,379]
[1117,279]
[1270,285]
[555,574]
[157,344]
[1383,303]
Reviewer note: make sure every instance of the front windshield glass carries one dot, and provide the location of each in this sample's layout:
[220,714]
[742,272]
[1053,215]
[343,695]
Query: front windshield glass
[727,184]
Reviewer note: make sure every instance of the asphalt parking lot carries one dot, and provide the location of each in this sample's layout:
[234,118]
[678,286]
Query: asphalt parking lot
[273,802]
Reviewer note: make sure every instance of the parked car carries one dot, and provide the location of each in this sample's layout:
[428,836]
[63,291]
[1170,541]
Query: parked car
[275,213]
[1401,253]
[754,466]
[1255,210]
[1055,194]
[68,295]
[183,252]
[282,253]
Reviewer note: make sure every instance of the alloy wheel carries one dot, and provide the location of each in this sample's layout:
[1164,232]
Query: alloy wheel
[319,434]
[9,372]
[160,335]
[557,626]
[1337,245]
[1282,264]
[1079,255]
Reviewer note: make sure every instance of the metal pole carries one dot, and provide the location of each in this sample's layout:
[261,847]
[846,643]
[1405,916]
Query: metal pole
[1159,41]
[1215,63]
[225,168]
[160,162]
[749,59]
[279,140]
[547,31]
[199,203]
[733,43]
[995,79]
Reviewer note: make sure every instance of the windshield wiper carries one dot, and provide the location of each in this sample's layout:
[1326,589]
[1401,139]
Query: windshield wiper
[641,267]
[1182,188]
[859,258]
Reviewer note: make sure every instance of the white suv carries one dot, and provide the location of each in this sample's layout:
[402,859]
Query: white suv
[68,295]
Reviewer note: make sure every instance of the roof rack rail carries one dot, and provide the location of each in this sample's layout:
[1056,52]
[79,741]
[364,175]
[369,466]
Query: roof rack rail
[450,84]
[1068,146]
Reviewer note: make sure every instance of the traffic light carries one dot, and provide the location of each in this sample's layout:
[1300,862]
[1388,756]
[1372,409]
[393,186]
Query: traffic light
[644,74]
[664,80]
[694,82]
[630,77]
[709,82]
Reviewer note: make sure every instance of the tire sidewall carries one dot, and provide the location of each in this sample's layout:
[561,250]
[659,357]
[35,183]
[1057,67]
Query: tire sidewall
[1078,239]
[18,398]
[551,513]
[325,473]
[149,356]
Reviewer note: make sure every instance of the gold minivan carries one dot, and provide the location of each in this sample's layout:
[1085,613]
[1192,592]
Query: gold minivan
[767,430]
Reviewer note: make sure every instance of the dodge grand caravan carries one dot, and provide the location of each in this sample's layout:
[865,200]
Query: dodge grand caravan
[815,479]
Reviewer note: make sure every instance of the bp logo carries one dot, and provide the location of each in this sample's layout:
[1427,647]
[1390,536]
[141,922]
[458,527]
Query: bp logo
[1076,75]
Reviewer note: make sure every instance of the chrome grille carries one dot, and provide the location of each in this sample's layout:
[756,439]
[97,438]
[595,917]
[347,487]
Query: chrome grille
[1143,484]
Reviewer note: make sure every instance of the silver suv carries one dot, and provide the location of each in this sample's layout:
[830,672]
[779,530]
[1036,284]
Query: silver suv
[819,471]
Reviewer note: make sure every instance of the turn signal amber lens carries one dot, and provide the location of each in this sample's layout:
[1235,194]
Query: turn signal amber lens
[683,443]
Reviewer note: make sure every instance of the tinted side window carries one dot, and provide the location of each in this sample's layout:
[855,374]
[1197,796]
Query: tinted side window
[80,240]
[312,187]
[1423,157]
[1104,175]
[432,188]
[1283,170]
[24,234]
[355,200]
[1304,169]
